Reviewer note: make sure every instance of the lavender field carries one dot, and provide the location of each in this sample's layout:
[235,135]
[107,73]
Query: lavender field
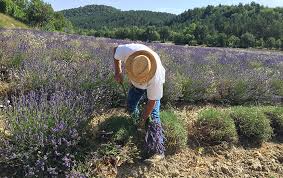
[51,84]
[194,74]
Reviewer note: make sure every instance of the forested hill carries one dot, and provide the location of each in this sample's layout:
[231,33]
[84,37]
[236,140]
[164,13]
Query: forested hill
[249,25]
[97,16]
[260,21]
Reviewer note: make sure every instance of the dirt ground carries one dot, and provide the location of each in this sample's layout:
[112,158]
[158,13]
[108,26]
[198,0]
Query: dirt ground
[218,161]
[237,162]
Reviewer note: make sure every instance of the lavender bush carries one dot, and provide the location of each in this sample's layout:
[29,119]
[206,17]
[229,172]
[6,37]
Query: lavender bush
[44,133]
[252,125]
[275,114]
[54,81]
[194,74]
[214,127]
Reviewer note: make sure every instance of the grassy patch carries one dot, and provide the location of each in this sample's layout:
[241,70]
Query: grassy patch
[9,22]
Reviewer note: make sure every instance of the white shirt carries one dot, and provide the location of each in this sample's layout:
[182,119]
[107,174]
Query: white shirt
[154,86]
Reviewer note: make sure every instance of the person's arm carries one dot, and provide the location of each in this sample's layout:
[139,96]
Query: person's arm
[118,71]
[117,68]
[154,92]
[147,111]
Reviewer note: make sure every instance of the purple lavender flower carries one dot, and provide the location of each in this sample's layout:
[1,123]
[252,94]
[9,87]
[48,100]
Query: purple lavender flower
[154,139]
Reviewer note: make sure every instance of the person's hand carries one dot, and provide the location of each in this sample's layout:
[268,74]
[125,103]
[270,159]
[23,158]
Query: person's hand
[119,77]
[142,124]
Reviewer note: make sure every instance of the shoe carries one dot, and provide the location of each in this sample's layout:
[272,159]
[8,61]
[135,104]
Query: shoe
[155,159]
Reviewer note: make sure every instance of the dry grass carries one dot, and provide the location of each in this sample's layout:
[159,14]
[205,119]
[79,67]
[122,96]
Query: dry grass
[4,88]
[9,22]
[2,127]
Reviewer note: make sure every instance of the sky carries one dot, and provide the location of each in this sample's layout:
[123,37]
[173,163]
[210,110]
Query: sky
[170,6]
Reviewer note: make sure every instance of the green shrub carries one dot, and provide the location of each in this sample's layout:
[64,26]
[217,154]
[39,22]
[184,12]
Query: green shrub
[252,124]
[175,132]
[117,129]
[276,116]
[214,127]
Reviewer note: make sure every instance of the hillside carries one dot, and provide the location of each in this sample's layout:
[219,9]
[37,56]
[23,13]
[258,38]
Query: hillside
[97,16]
[9,22]
[262,22]
[242,25]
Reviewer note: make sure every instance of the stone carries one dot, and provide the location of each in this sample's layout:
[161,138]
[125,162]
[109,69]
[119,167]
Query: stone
[175,173]
[225,169]
[246,176]
[259,156]
[238,170]
[256,165]
[265,168]
[280,159]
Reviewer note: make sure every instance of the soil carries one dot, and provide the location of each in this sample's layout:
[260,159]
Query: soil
[217,161]
[237,162]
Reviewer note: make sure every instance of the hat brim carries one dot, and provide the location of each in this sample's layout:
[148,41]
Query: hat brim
[137,79]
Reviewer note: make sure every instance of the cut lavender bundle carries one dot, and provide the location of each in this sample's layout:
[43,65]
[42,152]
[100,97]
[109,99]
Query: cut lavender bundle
[154,138]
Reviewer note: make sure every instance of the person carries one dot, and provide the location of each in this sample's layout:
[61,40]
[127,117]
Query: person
[147,75]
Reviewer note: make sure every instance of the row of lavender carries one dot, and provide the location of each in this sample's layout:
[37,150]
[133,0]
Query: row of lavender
[57,81]
[193,73]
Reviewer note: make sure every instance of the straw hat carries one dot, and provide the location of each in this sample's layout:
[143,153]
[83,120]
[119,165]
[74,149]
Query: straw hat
[141,66]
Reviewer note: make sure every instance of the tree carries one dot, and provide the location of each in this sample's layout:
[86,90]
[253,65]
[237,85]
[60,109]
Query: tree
[122,33]
[260,43]
[23,4]
[11,8]
[221,40]
[178,38]
[201,33]
[134,33]
[151,34]
[211,40]
[278,44]
[61,23]
[39,13]
[165,33]
[270,43]
[233,41]
[190,39]
[247,40]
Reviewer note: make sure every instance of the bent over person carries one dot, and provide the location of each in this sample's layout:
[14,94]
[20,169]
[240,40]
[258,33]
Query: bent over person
[147,75]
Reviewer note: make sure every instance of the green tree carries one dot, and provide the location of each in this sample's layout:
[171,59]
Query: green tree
[190,39]
[260,43]
[134,33]
[11,8]
[61,23]
[151,34]
[178,38]
[211,40]
[165,33]
[190,29]
[270,43]
[122,33]
[39,13]
[221,40]
[233,41]
[247,40]
[201,33]
[278,44]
